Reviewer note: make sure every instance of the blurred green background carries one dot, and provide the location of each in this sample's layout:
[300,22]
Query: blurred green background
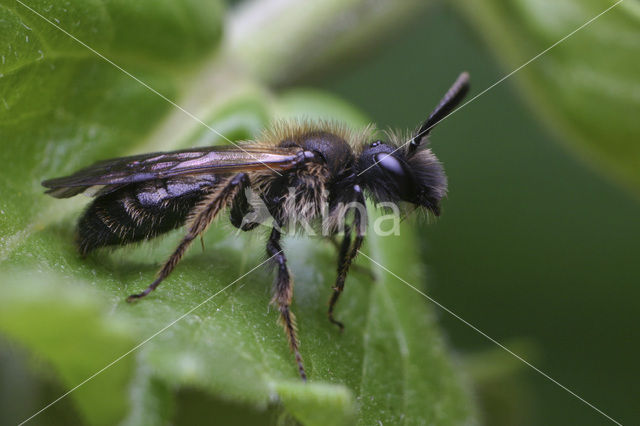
[532,243]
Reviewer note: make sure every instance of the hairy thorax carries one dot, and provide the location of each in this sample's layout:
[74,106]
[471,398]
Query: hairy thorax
[303,198]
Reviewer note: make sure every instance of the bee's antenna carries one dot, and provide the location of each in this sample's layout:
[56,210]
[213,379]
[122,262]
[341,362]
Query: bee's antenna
[451,99]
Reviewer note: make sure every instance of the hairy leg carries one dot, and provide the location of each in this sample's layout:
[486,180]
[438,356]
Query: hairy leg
[348,252]
[283,293]
[202,217]
[368,272]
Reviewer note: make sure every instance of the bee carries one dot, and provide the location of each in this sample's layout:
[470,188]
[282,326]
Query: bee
[296,168]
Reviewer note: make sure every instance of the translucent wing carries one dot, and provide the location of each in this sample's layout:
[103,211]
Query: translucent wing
[108,175]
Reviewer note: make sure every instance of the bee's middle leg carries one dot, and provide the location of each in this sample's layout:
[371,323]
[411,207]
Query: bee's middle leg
[202,218]
[283,293]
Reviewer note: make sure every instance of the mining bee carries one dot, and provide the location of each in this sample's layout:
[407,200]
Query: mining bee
[296,168]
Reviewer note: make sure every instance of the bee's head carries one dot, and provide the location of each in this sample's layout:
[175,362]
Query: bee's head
[405,170]
[392,174]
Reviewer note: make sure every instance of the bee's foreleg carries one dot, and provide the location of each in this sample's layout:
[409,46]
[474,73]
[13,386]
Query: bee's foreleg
[364,270]
[349,251]
[343,266]
[283,293]
[202,217]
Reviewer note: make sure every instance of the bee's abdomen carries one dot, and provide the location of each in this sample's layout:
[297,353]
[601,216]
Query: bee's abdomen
[140,211]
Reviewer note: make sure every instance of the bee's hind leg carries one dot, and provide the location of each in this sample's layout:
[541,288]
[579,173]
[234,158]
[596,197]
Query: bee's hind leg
[202,217]
[282,295]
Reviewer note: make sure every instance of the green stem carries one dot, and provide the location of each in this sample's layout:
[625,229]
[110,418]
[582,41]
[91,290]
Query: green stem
[281,41]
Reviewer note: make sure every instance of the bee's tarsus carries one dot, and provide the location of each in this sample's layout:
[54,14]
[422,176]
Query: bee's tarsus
[134,297]
[146,291]
[336,322]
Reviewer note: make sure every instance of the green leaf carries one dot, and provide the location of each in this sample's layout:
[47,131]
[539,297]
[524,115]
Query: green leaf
[64,321]
[71,108]
[587,87]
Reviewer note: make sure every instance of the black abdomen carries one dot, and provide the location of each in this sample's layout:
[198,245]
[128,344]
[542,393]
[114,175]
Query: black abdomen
[141,211]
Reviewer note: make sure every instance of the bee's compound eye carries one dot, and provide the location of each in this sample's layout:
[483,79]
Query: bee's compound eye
[398,173]
[390,164]
[374,144]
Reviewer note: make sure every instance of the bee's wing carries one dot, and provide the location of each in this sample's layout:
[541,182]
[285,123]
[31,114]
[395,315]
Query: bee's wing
[107,175]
